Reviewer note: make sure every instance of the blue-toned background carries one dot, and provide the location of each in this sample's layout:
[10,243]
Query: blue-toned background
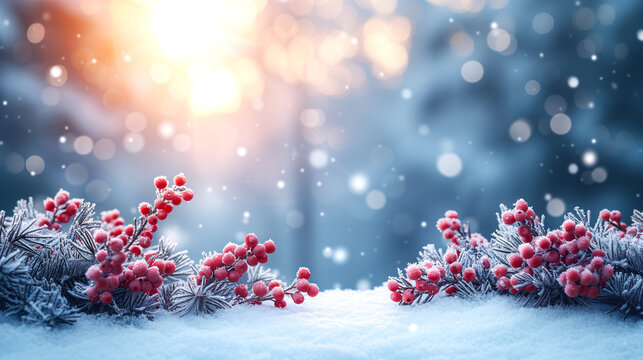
[341,129]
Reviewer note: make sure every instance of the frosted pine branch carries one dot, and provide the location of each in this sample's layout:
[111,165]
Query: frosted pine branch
[579,263]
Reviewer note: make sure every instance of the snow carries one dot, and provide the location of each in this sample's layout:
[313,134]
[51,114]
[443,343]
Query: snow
[340,324]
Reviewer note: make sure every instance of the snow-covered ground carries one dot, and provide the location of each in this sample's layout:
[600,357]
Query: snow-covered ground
[339,325]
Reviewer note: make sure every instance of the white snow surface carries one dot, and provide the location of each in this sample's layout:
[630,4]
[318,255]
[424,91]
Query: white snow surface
[342,324]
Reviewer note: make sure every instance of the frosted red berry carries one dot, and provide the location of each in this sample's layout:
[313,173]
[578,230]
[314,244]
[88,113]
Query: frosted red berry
[180,180]
[160,182]
[469,275]
[413,272]
[187,195]
[259,288]
[297,298]
[450,257]
[270,246]
[303,273]
[106,297]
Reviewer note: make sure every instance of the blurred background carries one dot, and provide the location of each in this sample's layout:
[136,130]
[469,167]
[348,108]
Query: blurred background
[341,129]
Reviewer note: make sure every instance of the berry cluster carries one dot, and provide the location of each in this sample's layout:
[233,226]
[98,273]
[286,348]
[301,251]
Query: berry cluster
[452,229]
[118,243]
[566,252]
[524,217]
[235,259]
[59,210]
[276,291]
[427,278]
[613,219]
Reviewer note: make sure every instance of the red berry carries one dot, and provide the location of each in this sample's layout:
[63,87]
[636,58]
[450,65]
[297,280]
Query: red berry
[526,251]
[521,204]
[606,272]
[450,214]
[180,180]
[144,242]
[176,200]
[240,251]
[605,214]
[413,272]
[49,204]
[569,226]
[152,219]
[583,243]
[92,293]
[106,297]
[259,288]
[434,275]
[302,285]
[241,290]
[448,234]
[100,236]
[44,222]
[586,277]
[592,292]
[515,260]
[168,208]
[144,208]
[140,268]
[421,286]
[270,246]
[531,214]
[273,284]
[597,262]
[433,289]
[169,268]
[450,257]
[71,209]
[187,195]
[159,203]
[228,258]
[241,267]
[303,273]
[278,293]
[408,296]
[535,261]
[297,298]
[61,197]
[229,247]
[252,260]
[396,297]
[160,182]
[520,215]
[455,268]
[615,215]
[234,276]
[572,290]
[93,273]
[580,230]
[544,243]
[508,218]
[392,285]
[251,240]
[500,271]
[162,215]
[259,250]
[442,224]
[469,275]
[573,275]
[450,290]
[523,230]
[313,290]
[280,304]
[486,263]
[221,273]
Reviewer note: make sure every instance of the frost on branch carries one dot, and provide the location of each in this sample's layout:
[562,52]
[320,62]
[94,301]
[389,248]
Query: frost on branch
[63,261]
[578,263]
